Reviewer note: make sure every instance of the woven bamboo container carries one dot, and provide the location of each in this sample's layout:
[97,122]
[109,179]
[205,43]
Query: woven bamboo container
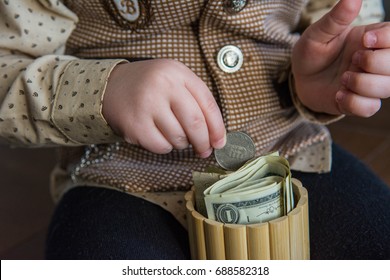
[284,238]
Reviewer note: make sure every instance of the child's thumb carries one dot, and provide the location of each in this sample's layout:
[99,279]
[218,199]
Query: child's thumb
[335,22]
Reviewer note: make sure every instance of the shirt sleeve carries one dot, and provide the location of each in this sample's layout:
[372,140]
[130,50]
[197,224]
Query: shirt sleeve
[48,98]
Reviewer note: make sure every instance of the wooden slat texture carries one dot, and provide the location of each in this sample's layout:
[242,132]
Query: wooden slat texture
[295,223]
[306,236]
[279,239]
[235,242]
[199,235]
[214,240]
[258,242]
[191,232]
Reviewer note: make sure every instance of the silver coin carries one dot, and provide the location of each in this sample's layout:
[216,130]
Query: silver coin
[239,149]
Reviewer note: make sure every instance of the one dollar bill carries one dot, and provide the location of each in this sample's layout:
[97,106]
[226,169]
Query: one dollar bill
[259,191]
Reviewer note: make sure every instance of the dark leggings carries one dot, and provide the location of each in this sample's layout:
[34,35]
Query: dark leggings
[349,212]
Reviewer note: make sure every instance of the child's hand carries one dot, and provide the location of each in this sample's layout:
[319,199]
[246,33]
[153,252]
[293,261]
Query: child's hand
[340,69]
[161,104]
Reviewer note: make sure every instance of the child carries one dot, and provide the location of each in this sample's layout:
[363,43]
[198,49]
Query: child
[139,93]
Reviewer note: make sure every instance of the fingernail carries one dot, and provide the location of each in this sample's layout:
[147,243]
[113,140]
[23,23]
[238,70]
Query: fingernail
[221,143]
[370,39]
[345,78]
[340,96]
[206,154]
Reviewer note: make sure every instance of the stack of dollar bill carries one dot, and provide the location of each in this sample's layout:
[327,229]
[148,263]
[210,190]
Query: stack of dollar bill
[259,191]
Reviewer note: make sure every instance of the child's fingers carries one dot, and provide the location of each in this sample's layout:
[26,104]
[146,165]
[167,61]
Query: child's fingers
[190,116]
[335,22]
[210,110]
[366,84]
[373,61]
[377,36]
[352,104]
[150,138]
[172,130]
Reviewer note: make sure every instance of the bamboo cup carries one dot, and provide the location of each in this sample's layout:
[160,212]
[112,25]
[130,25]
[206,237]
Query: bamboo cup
[283,238]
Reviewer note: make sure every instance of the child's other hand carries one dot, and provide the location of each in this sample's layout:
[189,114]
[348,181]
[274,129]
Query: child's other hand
[339,69]
[161,104]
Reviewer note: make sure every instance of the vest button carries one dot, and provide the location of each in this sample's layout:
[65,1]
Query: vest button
[230,59]
[129,10]
[234,6]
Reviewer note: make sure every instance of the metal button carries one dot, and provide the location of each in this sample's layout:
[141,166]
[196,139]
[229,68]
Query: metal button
[230,59]
[129,10]
[234,6]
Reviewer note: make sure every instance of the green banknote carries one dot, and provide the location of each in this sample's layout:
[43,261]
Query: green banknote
[259,191]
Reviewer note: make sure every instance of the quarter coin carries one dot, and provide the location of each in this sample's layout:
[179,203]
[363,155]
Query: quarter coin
[239,149]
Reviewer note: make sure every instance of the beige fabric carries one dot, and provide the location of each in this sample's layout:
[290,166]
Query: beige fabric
[34,79]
